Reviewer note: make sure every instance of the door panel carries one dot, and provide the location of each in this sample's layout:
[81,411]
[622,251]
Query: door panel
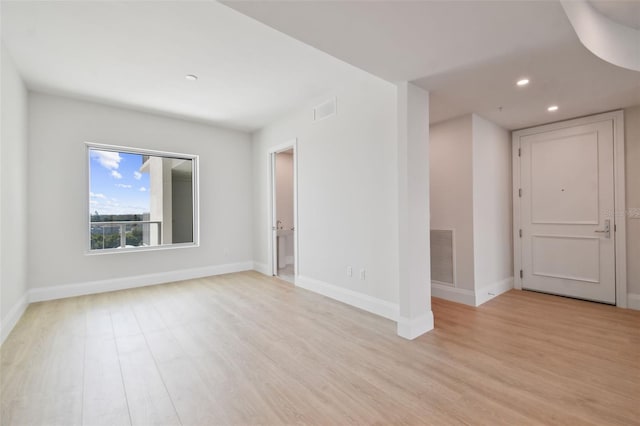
[567,180]
[564,179]
[549,257]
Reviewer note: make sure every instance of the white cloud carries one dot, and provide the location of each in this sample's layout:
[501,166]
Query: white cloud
[115,174]
[143,189]
[108,159]
[93,194]
[115,208]
[122,185]
[137,175]
[93,202]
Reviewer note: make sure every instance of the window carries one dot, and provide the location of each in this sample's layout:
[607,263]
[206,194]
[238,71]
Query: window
[140,199]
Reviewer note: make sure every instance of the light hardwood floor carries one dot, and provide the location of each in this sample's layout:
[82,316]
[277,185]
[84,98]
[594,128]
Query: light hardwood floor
[247,349]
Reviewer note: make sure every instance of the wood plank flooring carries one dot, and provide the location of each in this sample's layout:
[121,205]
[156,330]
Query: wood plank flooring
[248,349]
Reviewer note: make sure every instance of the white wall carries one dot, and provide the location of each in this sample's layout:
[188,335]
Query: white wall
[451,178]
[632,145]
[492,204]
[13,200]
[347,189]
[471,194]
[58,190]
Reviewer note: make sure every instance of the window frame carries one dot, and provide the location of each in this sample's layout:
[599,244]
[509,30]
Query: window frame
[195,159]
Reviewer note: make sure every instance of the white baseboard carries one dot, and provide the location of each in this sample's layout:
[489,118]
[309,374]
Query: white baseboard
[633,301]
[263,268]
[470,297]
[92,287]
[13,316]
[359,300]
[487,293]
[412,328]
[453,294]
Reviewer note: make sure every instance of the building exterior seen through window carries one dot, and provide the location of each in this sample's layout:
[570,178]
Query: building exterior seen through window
[140,199]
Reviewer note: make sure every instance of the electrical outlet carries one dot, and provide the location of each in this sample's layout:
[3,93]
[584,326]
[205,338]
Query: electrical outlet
[363,274]
[349,271]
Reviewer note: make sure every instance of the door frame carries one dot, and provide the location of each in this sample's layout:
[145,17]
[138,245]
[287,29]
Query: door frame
[271,153]
[619,216]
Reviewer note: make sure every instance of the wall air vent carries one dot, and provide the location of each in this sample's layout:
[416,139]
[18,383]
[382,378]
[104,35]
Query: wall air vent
[442,257]
[325,110]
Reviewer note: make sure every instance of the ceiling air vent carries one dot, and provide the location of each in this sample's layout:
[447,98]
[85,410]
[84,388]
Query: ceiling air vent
[324,110]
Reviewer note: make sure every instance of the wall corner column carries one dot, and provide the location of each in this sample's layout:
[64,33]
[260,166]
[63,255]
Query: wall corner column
[415,317]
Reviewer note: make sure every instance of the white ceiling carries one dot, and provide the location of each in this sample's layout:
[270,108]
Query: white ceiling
[625,12]
[565,74]
[136,54]
[468,54]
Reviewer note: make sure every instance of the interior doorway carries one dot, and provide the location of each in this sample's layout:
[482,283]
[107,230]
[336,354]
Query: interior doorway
[568,196]
[283,212]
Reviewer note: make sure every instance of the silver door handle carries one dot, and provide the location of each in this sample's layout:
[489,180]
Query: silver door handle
[606,230]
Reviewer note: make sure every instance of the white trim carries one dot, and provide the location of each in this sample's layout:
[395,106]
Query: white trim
[172,246]
[487,293]
[412,328]
[263,268]
[195,182]
[441,283]
[453,294]
[471,297]
[296,245]
[359,300]
[619,190]
[92,287]
[271,216]
[13,316]
[633,301]
[517,249]
[620,216]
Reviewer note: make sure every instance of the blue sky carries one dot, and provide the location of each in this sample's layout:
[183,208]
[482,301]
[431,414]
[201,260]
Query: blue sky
[116,185]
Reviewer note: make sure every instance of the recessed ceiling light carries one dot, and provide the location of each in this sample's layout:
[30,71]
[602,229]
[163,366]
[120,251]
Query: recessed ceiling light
[523,82]
[191,77]
[552,108]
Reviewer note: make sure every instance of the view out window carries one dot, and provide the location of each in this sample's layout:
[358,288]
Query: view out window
[141,199]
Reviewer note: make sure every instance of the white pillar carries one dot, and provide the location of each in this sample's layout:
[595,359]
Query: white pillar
[416,317]
[167,201]
[160,195]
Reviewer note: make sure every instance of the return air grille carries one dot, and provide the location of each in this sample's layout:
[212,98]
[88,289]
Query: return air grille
[442,263]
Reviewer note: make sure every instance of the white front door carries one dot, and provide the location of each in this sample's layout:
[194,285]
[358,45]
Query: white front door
[567,211]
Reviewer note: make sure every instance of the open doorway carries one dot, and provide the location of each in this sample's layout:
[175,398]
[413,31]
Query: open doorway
[283,221]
